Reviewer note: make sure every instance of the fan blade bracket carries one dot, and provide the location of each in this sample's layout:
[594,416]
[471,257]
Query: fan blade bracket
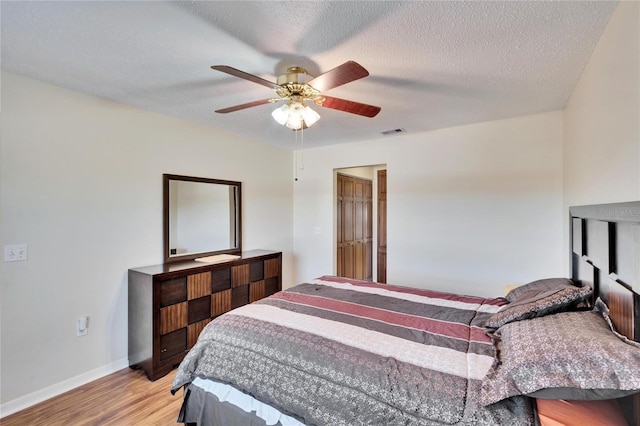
[319,100]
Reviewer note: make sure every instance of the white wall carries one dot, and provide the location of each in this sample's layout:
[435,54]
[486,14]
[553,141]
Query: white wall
[82,186]
[460,203]
[602,118]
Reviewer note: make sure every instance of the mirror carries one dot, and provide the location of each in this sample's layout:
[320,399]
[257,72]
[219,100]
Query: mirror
[202,217]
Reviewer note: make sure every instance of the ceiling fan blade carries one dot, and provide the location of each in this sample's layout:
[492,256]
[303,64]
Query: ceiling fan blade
[348,106]
[342,74]
[237,73]
[244,106]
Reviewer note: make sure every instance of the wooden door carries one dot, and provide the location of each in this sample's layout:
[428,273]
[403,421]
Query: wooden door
[355,232]
[382,227]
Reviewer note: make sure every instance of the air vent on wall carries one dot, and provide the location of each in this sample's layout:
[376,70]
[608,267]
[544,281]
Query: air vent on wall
[393,132]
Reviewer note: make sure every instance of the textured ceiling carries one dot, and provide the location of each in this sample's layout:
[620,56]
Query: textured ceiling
[432,64]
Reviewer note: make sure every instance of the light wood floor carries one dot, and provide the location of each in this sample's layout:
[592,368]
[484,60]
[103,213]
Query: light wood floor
[123,398]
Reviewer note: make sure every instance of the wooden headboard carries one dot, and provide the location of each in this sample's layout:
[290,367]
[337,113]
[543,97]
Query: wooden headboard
[605,253]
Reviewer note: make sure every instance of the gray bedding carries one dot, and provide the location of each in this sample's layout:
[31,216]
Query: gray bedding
[344,352]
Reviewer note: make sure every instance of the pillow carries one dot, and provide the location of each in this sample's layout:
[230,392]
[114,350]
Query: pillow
[529,290]
[539,302]
[558,412]
[569,355]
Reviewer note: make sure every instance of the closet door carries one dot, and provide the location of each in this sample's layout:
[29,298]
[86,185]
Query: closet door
[382,227]
[355,234]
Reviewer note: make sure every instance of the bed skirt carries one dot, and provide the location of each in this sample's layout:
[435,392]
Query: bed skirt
[211,403]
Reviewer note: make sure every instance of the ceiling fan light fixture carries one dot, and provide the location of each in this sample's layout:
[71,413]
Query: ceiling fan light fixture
[309,116]
[281,114]
[295,115]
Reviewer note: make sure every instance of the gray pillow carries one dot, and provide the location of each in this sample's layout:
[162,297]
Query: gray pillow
[530,290]
[537,303]
[569,355]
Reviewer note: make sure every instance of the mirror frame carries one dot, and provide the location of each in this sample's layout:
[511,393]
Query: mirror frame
[166,179]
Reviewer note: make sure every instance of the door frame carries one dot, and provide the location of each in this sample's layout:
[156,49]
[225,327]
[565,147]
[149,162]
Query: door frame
[354,171]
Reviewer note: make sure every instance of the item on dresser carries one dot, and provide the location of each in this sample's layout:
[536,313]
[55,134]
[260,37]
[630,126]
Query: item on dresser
[170,304]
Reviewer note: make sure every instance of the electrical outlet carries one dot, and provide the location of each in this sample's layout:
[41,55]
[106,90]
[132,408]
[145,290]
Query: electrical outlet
[14,253]
[82,326]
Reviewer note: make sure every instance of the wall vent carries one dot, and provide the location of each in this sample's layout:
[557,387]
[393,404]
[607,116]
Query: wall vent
[393,132]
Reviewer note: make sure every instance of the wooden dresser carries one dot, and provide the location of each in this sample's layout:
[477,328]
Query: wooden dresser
[170,304]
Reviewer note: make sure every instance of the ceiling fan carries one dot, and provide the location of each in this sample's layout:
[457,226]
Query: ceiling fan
[296,87]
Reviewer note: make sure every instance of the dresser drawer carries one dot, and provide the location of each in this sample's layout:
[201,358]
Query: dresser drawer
[173,343]
[221,280]
[173,291]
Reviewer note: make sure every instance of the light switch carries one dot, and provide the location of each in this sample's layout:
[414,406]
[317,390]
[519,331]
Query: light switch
[14,253]
[83,326]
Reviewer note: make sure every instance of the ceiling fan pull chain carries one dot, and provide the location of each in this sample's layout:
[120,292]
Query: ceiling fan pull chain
[295,156]
[302,149]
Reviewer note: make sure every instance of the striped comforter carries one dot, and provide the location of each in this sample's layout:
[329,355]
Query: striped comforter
[336,351]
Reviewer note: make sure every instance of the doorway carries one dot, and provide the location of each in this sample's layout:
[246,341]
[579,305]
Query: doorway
[357,253]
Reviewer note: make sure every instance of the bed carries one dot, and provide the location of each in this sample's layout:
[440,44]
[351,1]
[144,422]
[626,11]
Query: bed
[335,351]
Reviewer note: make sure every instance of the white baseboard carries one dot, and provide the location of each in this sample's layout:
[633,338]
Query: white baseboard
[49,392]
